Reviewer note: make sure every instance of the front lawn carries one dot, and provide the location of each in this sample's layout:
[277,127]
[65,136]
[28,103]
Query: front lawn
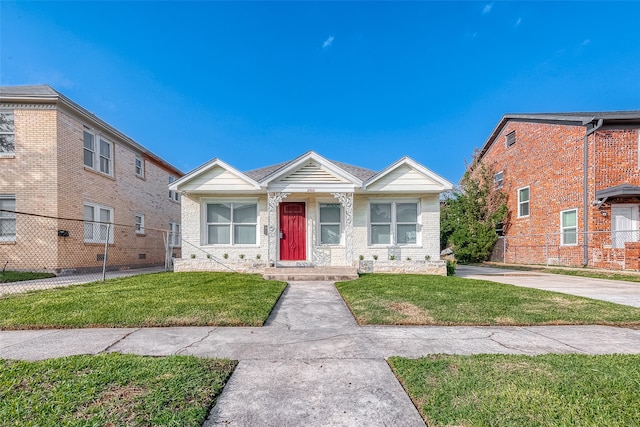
[162,299]
[17,276]
[111,390]
[396,299]
[514,390]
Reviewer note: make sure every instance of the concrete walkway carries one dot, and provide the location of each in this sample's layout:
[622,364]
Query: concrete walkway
[312,364]
[617,291]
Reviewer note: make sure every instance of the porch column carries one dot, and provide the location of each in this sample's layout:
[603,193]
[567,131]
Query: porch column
[273,200]
[346,200]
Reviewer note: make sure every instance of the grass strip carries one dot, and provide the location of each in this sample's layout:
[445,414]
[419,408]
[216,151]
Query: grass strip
[111,390]
[515,390]
[404,299]
[583,272]
[18,276]
[162,299]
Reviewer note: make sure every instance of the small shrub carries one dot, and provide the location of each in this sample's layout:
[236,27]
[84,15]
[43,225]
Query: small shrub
[375,257]
[361,257]
[225,256]
[193,256]
[258,256]
[241,256]
[427,257]
[208,256]
[408,258]
[451,267]
[392,257]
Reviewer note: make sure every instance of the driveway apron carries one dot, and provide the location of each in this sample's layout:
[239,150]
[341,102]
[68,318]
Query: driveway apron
[297,388]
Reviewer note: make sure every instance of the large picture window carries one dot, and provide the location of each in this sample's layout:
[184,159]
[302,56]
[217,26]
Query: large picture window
[233,223]
[330,224]
[98,225]
[569,227]
[7,217]
[523,201]
[7,134]
[394,223]
[98,153]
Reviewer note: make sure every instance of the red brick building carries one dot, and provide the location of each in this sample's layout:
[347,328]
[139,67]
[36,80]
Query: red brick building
[572,182]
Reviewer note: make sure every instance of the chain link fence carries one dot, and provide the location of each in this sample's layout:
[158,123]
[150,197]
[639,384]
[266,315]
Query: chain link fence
[612,250]
[38,252]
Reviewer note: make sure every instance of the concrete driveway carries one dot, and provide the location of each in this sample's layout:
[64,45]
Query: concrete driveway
[617,291]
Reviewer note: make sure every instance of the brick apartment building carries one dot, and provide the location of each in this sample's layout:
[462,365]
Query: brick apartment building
[572,183]
[58,161]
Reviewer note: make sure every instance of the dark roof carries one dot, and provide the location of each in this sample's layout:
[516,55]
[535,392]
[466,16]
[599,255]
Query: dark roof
[623,190]
[360,173]
[613,118]
[28,91]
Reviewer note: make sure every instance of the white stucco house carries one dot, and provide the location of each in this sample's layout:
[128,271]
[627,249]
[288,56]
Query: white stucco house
[311,211]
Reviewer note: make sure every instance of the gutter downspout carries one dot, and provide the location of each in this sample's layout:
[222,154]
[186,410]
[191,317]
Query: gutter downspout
[590,128]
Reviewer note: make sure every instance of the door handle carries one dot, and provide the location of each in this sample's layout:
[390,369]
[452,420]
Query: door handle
[281,235]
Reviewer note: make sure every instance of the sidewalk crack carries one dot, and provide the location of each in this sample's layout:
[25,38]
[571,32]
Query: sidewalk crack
[183,349]
[579,350]
[110,346]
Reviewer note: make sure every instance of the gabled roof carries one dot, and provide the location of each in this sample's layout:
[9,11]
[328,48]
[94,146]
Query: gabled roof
[623,190]
[439,181]
[203,169]
[611,118]
[39,94]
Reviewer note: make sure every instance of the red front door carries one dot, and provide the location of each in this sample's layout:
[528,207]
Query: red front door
[293,232]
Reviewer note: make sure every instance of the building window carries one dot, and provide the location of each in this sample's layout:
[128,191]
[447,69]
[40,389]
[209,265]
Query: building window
[173,195]
[7,134]
[139,223]
[497,180]
[330,224]
[394,223]
[511,138]
[98,223]
[7,217]
[523,202]
[98,156]
[139,166]
[569,227]
[175,235]
[234,223]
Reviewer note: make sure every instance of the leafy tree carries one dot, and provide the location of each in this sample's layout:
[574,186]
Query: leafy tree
[470,214]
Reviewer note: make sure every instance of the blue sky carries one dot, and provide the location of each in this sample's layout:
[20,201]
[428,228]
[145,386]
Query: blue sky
[366,83]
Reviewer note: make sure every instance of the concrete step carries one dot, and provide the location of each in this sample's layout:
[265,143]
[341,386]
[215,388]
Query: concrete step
[311,274]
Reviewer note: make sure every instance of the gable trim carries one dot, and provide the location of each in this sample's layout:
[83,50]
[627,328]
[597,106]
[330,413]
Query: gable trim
[207,167]
[446,185]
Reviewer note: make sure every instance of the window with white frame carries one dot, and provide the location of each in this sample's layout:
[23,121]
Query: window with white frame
[175,235]
[98,223]
[395,222]
[569,227]
[173,195]
[98,153]
[7,134]
[139,166]
[231,223]
[139,223]
[330,224]
[523,201]
[7,217]
[497,180]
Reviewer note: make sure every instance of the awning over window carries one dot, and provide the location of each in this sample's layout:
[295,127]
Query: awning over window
[623,190]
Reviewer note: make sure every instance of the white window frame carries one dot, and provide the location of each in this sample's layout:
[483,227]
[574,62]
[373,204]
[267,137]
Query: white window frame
[564,229]
[498,180]
[8,217]
[96,153]
[175,235]
[522,202]
[394,223]
[139,224]
[339,223]
[205,223]
[138,165]
[96,225]
[12,133]
[173,195]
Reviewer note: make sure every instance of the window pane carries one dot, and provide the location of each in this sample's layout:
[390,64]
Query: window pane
[88,231]
[524,195]
[105,149]
[380,234]
[88,213]
[219,235]
[105,215]
[88,141]
[570,237]
[524,209]
[406,234]
[8,228]
[7,144]
[381,212]
[407,212]
[330,234]
[8,204]
[220,213]
[6,122]
[244,234]
[88,158]
[245,213]
[104,165]
[329,213]
[569,219]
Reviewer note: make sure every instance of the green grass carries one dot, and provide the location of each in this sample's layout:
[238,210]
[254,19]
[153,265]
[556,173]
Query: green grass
[111,390]
[585,272]
[17,276]
[395,299]
[163,299]
[514,390]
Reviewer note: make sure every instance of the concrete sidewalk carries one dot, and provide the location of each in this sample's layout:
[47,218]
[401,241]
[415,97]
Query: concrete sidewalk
[617,291]
[312,364]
